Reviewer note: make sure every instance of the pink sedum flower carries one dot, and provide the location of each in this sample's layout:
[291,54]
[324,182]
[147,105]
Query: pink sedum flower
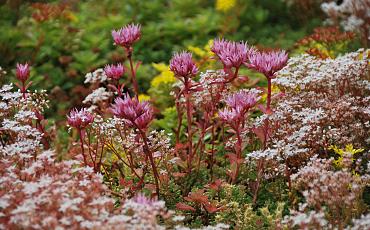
[229,114]
[231,54]
[267,63]
[238,104]
[114,71]
[139,114]
[80,119]
[142,199]
[127,35]
[242,100]
[182,65]
[23,72]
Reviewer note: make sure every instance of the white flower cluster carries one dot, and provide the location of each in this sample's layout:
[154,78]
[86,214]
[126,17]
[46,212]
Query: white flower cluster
[326,192]
[324,103]
[98,76]
[97,96]
[352,14]
[210,87]
[36,192]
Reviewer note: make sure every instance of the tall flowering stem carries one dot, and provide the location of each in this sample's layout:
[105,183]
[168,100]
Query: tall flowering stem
[126,37]
[138,115]
[267,63]
[184,69]
[80,120]
[235,113]
[232,55]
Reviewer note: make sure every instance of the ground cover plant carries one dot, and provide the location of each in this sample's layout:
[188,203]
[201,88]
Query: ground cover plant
[228,135]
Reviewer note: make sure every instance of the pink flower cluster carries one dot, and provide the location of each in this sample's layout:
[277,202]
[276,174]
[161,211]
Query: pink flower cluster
[182,65]
[139,114]
[80,119]
[127,35]
[267,63]
[238,104]
[114,71]
[23,72]
[230,53]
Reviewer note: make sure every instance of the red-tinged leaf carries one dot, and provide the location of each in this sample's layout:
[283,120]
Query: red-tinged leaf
[184,207]
[18,85]
[211,152]
[229,173]
[211,208]
[241,161]
[243,79]
[265,110]
[197,197]
[216,185]
[150,187]
[125,183]
[28,85]
[232,157]
[262,108]
[178,174]
[137,65]
[260,134]
[112,87]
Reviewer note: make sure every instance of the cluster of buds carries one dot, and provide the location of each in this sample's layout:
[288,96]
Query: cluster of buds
[22,74]
[238,104]
[182,65]
[139,114]
[127,35]
[267,63]
[80,119]
[231,54]
[115,72]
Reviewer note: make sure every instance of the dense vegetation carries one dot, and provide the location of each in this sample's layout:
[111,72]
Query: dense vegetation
[241,114]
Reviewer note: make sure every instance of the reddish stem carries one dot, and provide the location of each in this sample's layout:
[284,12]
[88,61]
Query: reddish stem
[151,159]
[268,105]
[238,151]
[82,146]
[189,121]
[23,90]
[133,75]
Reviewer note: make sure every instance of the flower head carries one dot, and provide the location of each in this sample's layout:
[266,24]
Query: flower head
[238,104]
[231,54]
[183,65]
[139,114]
[142,199]
[80,119]
[267,63]
[229,114]
[242,100]
[114,71]
[23,72]
[127,35]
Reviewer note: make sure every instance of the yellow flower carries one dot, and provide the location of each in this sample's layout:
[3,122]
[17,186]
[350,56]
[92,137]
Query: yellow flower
[144,97]
[197,51]
[164,77]
[225,5]
[274,90]
[348,149]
